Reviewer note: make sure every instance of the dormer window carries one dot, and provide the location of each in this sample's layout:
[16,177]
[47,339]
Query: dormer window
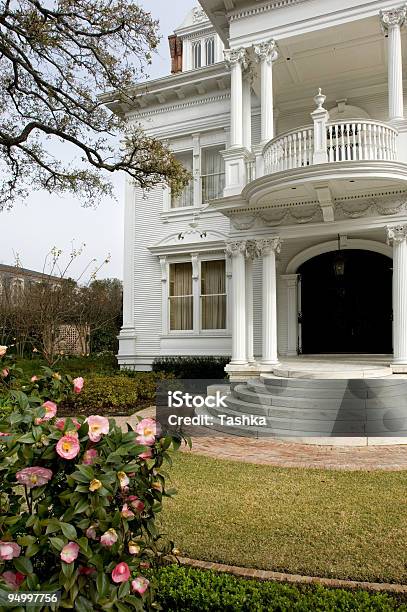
[197,54]
[210,50]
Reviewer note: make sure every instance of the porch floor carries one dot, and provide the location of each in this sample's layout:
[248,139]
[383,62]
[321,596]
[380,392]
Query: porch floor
[334,366]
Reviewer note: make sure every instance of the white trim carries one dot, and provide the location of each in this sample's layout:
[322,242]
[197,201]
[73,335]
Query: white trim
[332,245]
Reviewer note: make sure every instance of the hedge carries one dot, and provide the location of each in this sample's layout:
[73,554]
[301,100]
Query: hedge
[182,589]
[192,367]
[114,395]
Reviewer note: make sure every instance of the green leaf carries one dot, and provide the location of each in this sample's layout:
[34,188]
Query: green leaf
[69,531]
[57,543]
[124,589]
[67,569]
[32,550]
[120,606]
[26,540]
[81,506]
[27,438]
[79,477]
[83,605]
[102,584]
[87,471]
[23,565]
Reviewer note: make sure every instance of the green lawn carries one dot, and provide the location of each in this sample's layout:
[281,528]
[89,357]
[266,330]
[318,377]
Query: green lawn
[323,523]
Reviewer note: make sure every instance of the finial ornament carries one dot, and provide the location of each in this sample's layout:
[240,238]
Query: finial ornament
[235,56]
[319,99]
[396,234]
[267,51]
[393,17]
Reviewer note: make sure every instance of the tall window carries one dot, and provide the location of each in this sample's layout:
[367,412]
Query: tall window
[197,54]
[181,299]
[213,294]
[210,51]
[213,174]
[186,198]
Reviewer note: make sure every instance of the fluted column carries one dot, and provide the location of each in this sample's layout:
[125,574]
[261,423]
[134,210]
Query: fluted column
[237,251]
[250,255]
[247,112]
[397,235]
[392,21]
[267,249]
[266,53]
[236,59]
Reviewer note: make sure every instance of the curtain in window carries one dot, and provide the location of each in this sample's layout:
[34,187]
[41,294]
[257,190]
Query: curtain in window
[181,300]
[213,174]
[186,198]
[213,292]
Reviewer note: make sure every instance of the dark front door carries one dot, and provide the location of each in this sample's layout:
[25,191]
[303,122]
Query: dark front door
[348,312]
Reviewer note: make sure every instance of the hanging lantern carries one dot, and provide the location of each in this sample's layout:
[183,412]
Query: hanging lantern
[339,261]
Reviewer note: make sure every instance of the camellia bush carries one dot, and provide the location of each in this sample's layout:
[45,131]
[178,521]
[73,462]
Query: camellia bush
[78,499]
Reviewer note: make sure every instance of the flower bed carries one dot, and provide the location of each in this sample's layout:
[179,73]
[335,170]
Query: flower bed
[79,498]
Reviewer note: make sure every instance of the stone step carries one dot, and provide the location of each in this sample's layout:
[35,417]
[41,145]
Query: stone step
[337,390]
[334,373]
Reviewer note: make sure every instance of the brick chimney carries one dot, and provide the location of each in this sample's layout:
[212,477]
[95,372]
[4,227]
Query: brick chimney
[176,53]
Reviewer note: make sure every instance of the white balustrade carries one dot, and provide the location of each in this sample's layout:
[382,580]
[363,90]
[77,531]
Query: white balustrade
[346,141]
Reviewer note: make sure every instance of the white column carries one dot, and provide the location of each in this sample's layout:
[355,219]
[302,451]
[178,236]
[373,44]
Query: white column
[250,255]
[268,248]
[266,53]
[291,281]
[392,21]
[397,235]
[247,112]
[236,59]
[237,250]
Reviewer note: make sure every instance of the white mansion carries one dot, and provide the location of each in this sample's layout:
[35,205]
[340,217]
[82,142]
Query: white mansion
[292,236]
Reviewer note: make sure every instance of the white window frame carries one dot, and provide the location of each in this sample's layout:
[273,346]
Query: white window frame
[196,258]
[218,329]
[168,196]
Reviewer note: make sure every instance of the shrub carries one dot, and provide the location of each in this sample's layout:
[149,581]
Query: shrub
[79,500]
[182,589]
[192,367]
[115,394]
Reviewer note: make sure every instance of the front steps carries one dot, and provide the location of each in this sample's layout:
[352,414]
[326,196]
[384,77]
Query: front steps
[324,411]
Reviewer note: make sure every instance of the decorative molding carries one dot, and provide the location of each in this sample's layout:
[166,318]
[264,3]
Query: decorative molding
[266,51]
[370,207]
[393,17]
[269,6]
[163,265]
[396,234]
[199,15]
[195,265]
[167,109]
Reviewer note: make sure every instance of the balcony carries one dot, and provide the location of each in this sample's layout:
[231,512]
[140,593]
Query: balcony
[352,140]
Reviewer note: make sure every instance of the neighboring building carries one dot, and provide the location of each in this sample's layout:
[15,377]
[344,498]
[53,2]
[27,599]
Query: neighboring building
[283,241]
[15,279]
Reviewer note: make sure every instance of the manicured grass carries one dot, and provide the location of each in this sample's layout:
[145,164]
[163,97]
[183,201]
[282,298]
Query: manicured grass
[316,522]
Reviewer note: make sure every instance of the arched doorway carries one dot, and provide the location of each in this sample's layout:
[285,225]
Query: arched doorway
[346,303]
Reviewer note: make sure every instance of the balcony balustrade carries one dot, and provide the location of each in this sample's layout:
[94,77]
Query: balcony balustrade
[350,140]
[212,186]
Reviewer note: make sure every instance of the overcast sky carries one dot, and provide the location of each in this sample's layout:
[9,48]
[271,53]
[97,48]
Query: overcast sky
[43,221]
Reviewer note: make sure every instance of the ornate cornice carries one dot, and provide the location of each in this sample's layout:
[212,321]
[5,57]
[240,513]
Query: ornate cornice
[393,17]
[266,51]
[268,6]
[166,109]
[396,234]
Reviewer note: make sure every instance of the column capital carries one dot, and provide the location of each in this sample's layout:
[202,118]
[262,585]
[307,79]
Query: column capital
[236,56]
[236,247]
[266,51]
[251,249]
[396,234]
[393,17]
[265,246]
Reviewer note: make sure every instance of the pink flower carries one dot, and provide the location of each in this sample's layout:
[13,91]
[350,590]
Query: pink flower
[60,423]
[90,456]
[78,384]
[5,372]
[34,378]
[34,476]
[139,585]
[50,412]
[109,538]
[91,532]
[121,572]
[97,426]
[9,550]
[148,454]
[124,480]
[86,571]
[147,429]
[126,513]
[68,447]
[13,579]
[3,433]
[3,350]
[70,552]
[136,503]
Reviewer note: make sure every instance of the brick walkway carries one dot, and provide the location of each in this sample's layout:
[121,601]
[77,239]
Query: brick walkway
[289,454]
